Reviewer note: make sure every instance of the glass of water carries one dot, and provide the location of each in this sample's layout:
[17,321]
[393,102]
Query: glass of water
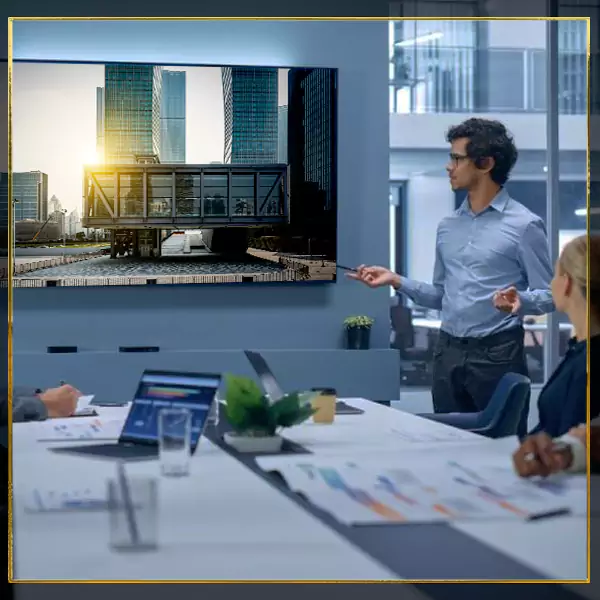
[174,438]
[133,513]
[214,414]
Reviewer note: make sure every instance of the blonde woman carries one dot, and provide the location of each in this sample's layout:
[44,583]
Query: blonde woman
[563,401]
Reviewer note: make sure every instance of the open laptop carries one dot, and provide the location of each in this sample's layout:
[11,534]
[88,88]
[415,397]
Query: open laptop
[156,390]
[273,389]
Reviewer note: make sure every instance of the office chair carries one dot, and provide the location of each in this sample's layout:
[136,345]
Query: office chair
[505,415]
[404,341]
[534,354]
[404,335]
[536,351]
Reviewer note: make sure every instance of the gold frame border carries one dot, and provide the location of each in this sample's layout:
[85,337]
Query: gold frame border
[11,20]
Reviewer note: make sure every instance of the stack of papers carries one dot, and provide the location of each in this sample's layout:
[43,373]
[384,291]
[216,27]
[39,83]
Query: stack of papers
[94,429]
[436,487]
[83,403]
[46,500]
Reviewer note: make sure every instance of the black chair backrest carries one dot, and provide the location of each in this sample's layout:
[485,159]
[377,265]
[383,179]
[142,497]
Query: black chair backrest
[401,317]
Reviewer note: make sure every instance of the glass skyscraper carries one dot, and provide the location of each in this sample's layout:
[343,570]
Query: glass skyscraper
[250,97]
[172,118]
[100,123]
[282,135]
[132,98]
[30,191]
[311,139]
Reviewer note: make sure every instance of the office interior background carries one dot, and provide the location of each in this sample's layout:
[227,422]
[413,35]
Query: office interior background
[409,81]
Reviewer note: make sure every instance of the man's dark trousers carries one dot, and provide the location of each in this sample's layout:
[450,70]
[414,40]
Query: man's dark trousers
[466,371]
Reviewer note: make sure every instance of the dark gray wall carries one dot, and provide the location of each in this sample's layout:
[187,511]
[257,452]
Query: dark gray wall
[201,318]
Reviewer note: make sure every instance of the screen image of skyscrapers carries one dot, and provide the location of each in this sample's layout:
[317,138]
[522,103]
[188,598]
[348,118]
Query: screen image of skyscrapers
[30,196]
[312,151]
[100,124]
[282,134]
[172,118]
[250,97]
[141,112]
[132,113]
[266,209]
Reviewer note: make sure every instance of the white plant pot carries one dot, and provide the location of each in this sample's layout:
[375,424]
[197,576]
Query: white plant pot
[253,445]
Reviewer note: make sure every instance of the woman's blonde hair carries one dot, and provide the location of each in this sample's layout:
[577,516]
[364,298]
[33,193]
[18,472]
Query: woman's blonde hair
[573,261]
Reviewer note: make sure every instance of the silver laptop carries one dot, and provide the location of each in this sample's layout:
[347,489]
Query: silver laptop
[267,379]
[156,390]
[274,390]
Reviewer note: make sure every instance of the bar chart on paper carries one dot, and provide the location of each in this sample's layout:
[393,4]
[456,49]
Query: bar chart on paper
[356,493]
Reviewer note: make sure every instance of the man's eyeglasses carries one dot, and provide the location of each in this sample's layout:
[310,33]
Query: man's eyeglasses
[457,158]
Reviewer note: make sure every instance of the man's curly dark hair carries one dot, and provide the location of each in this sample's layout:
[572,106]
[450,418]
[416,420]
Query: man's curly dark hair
[487,139]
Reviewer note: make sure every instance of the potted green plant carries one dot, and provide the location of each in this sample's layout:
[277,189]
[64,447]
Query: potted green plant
[255,420]
[358,332]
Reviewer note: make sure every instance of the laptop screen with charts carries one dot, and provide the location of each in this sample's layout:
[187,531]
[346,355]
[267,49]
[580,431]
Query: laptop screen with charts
[156,391]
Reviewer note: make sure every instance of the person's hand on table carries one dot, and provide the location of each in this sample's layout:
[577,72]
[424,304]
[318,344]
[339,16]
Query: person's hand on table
[375,276]
[60,401]
[538,456]
[507,300]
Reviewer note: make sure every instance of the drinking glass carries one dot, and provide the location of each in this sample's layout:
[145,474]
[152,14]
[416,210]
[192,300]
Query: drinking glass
[174,438]
[218,407]
[133,513]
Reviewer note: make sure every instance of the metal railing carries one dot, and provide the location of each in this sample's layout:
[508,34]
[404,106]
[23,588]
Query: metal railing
[435,79]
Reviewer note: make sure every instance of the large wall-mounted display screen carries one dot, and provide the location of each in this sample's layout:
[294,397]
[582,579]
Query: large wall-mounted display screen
[135,174]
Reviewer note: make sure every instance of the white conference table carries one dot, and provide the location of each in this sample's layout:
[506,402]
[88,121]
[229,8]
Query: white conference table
[224,522]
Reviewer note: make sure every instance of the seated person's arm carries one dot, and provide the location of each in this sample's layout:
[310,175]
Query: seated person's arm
[26,406]
[29,404]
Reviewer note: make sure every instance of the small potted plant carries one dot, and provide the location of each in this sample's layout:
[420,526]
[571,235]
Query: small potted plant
[255,420]
[358,332]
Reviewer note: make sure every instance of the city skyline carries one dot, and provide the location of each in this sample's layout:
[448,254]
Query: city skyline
[59,136]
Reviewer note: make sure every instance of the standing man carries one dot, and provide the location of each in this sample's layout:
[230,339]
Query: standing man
[491,268]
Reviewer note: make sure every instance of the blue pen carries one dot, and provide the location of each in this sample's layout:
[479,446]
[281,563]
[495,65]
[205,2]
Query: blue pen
[84,504]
